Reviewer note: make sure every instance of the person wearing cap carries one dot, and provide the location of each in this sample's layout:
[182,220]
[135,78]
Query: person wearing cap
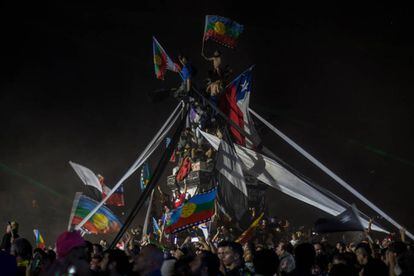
[71,255]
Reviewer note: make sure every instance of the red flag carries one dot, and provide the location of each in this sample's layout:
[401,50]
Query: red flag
[117,198]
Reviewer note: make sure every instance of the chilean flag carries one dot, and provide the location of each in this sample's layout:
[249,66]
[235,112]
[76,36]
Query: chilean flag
[235,104]
[117,198]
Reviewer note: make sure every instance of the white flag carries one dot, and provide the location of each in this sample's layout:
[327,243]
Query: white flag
[87,176]
[229,165]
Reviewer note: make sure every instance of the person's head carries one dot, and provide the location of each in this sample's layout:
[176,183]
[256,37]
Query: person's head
[12,226]
[177,193]
[21,249]
[281,248]
[97,249]
[115,261]
[232,255]
[266,262]
[103,243]
[69,241]
[304,255]
[95,263]
[318,248]
[205,264]
[149,259]
[217,53]
[338,259]
[351,247]
[363,253]
[340,247]
[220,249]
[183,59]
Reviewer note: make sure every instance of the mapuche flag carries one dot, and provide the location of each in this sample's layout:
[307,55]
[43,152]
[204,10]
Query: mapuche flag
[103,221]
[198,209]
[162,62]
[222,30]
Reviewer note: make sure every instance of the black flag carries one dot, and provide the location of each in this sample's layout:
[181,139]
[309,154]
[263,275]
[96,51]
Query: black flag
[348,220]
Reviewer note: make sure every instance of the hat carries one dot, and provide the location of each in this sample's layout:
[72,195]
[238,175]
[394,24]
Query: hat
[67,241]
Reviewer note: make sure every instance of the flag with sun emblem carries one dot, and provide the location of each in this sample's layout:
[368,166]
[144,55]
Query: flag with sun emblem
[162,62]
[222,30]
[197,210]
[102,222]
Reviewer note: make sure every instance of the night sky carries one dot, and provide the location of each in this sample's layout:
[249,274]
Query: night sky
[74,80]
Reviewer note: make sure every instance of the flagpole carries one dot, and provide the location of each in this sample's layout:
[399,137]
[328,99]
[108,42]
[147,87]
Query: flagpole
[330,173]
[145,227]
[162,231]
[144,156]
[154,179]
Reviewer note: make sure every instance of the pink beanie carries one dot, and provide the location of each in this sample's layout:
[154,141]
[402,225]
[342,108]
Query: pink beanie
[66,241]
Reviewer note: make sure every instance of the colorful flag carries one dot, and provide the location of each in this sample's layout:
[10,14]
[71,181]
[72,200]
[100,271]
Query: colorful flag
[222,30]
[39,241]
[145,175]
[247,235]
[198,209]
[235,104]
[102,222]
[87,176]
[162,62]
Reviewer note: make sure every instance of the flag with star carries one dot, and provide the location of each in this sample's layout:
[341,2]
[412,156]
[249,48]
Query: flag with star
[235,104]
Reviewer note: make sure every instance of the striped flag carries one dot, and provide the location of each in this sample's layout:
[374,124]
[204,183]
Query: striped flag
[247,235]
[39,241]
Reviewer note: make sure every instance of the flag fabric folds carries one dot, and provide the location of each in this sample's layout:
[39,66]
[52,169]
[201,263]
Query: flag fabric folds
[235,104]
[162,62]
[222,30]
[229,165]
[145,175]
[348,220]
[117,198]
[87,176]
[39,241]
[102,222]
[248,234]
[198,209]
[275,175]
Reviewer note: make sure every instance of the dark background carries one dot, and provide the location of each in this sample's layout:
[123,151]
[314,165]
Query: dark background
[336,78]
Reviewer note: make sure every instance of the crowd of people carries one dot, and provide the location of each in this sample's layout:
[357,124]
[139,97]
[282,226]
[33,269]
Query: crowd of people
[271,250]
